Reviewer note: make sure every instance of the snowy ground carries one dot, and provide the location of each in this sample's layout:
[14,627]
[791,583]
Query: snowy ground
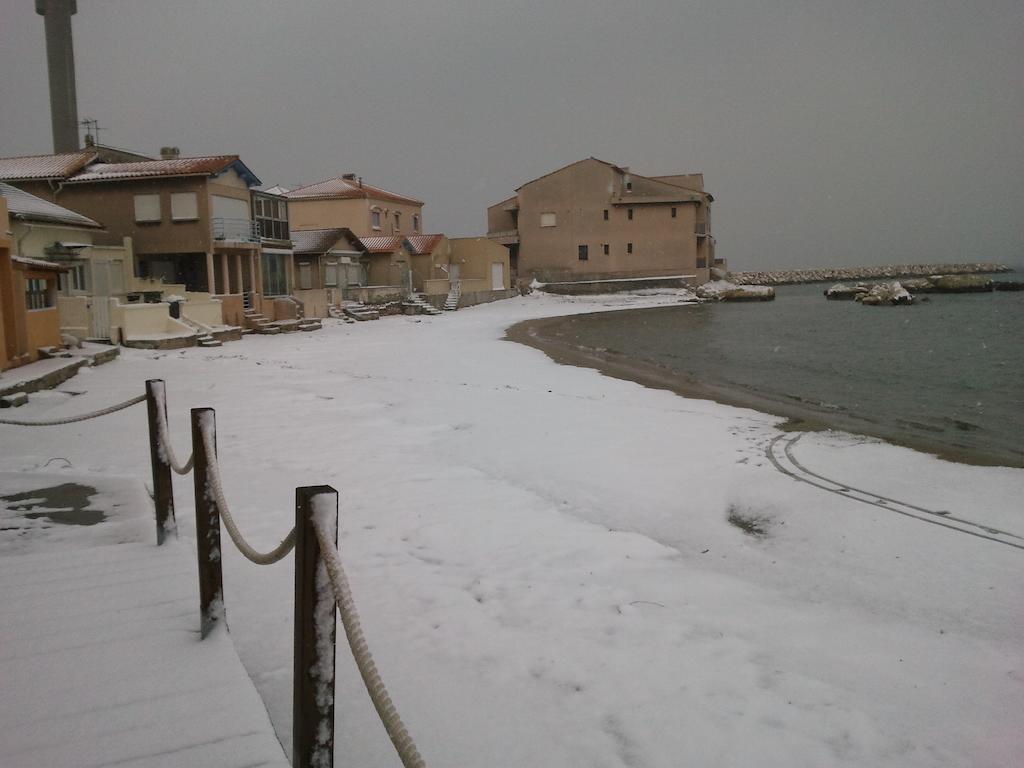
[545,565]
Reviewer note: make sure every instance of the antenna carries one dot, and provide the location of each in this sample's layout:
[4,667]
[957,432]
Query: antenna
[92,131]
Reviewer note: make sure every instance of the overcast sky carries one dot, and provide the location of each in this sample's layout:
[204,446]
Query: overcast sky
[856,132]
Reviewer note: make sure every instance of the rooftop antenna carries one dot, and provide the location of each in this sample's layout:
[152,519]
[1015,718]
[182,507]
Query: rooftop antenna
[92,131]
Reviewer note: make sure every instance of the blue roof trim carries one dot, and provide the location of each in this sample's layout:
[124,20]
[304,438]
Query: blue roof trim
[250,178]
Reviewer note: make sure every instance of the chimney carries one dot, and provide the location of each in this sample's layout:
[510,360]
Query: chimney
[169,153]
[60,63]
[348,176]
[90,140]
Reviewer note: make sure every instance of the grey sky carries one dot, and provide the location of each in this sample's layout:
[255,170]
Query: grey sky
[865,131]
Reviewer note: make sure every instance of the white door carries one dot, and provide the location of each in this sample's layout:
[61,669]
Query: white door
[305,275]
[99,317]
[497,276]
[453,272]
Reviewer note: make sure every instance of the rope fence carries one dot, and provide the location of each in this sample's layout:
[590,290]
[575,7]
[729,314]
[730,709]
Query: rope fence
[321,585]
[74,419]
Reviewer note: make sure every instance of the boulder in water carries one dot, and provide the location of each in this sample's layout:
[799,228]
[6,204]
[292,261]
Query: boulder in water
[961,283]
[841,292]
[886,294]
[722,290]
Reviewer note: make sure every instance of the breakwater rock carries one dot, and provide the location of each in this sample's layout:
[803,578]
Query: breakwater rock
[720,290]
[890,272]
[884,294]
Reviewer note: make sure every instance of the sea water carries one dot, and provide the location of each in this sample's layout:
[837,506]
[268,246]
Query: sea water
[947,371]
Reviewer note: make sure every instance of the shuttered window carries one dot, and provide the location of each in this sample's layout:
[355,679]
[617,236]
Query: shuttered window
[147,208]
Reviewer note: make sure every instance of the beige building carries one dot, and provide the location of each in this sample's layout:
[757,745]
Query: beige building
[596,221]
[190,218]
[348,202]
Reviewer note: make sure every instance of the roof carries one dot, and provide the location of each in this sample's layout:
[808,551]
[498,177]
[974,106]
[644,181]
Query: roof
[25,207]
[321,240]
[44,166]
[382,243]
[570,165]
[40,263]
[424,243]
[345,189]
[665,181]
[211,165]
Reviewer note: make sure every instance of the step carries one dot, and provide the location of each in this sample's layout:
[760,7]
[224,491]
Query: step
[268,330]
[310,327]
[210,343]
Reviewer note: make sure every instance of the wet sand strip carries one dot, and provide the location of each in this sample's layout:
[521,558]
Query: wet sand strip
[801,416]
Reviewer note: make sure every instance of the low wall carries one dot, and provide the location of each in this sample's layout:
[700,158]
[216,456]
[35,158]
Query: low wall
[74,315]
[586,287]
[314,301]
[280,308]
[473,297]
[42,327]
[437,286]
[148,326]
[376,294]
[207,313]
[232,309]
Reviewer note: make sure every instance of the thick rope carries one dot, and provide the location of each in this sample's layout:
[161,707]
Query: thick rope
[389,716]
[167,450]
[213,473]
[73,419]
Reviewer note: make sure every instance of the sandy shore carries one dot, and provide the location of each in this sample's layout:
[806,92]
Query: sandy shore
[545,334]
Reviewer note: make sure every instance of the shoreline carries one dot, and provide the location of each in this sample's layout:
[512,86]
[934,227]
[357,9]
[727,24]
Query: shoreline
[799,416]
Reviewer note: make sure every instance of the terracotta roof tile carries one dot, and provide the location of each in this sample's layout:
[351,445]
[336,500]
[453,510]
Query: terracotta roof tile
[382,243]
[340,188]
[316,240]
[422,244]
[44,166]
[22,205]
[182,166]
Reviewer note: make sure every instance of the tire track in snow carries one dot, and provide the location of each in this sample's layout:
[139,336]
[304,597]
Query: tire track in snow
[780,454]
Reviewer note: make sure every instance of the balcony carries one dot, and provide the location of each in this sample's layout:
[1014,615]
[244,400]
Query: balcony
[235,230]
[701,228]
[504,237]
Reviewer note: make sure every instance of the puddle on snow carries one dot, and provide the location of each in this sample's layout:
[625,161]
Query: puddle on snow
[63,504]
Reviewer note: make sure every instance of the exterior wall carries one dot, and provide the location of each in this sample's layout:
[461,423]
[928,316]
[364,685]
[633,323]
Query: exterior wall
[6,287]
[390,269]
[500,220]
[43,328]
[232,309]
[74,315]
[314,301]
[352,213]
[475,256]
[206,312]
[578,196]
[33,240]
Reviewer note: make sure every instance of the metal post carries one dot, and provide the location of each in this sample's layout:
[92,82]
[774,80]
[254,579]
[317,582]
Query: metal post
[315,625]
[211,582]
[163,489]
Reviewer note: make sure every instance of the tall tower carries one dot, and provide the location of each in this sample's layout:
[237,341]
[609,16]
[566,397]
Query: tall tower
[60,60]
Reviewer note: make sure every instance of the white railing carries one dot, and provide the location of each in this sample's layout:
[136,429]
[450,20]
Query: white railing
[238,230]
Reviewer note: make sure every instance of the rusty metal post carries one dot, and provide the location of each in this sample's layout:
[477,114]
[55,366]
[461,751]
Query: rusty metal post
[315,635]
[208,551]
[163,489]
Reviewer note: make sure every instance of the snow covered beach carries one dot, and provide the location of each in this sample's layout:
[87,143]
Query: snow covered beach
[545,563]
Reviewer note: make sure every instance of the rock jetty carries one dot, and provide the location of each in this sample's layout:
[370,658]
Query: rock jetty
[891,272]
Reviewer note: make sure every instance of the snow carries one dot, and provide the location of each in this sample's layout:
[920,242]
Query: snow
[543,564]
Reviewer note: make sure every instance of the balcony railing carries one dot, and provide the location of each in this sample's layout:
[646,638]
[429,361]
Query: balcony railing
[237,230]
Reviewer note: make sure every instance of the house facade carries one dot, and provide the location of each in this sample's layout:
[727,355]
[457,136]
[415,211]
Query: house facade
[593,220]
[190,219]
[346,201]
[29,283]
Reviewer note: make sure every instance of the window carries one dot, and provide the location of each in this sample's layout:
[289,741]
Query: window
[629,247]
[629,186]
[272,217]
[184,206]
[548,220]
[275,274]
[37,294]
[629,214]
[583,253]
[398,222]
[331,274]
[674,212]
[305,275]
[375,219]
[74,280]
[416,222]
[147,208]
[605,249]
[606,214]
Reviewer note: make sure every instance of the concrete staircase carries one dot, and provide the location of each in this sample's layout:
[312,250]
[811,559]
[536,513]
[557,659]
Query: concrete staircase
[359,311]
[420,305]
[257,322]
[454,295]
